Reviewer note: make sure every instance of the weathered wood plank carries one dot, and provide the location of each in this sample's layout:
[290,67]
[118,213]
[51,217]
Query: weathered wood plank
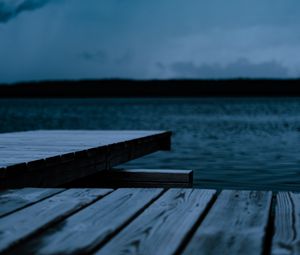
[21,224]
[286,239]
[12,200]
[150,178]
[81,232]
[162,227]
[36,159]
[236,224]
[82,138]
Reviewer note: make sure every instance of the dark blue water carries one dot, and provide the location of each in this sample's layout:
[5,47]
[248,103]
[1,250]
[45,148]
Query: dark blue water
[241,143]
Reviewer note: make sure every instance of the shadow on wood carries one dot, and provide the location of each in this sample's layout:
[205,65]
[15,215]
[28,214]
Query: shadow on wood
[144,178]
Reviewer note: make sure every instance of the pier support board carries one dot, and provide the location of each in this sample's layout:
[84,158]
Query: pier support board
[133,178]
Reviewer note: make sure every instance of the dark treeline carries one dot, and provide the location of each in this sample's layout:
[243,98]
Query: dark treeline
[152,88]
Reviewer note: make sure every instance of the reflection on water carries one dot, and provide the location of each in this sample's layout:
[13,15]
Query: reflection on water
[247,143]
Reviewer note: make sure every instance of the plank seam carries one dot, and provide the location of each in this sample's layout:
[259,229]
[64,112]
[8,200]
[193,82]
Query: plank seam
[269,232]
[192,231]
[32,203]
[9,250]
[124,225]
[293,217]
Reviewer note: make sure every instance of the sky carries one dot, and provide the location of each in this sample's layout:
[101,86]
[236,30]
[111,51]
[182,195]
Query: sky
[143,39]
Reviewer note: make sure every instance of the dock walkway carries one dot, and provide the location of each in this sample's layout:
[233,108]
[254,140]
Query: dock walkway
[148,221]
[53,158]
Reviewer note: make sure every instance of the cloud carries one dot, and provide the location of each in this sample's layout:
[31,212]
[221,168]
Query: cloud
[120,38]
[11,8]
[240,68]
[97,56]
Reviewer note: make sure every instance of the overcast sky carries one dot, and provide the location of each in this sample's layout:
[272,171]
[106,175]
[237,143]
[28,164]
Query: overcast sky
[72,39]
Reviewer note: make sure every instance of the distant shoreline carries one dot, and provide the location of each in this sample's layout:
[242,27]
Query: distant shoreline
[151,88]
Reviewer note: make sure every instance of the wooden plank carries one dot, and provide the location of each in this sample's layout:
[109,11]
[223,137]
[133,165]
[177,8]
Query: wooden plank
[152,175]
[83,138]
[83,231]
[165,185]
[286,238]
[150,178]
[163,227]
[12,200]
[21,224]
[236,224]
[81,157]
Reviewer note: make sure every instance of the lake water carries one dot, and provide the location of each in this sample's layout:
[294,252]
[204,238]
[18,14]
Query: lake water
[228,142]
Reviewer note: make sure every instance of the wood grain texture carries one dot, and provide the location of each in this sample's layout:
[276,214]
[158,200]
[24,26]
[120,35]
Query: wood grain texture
[286,238]
[81,232]
[163,226]
[12,200]
[236,224]
[53,158]
[23,223]
[34,145]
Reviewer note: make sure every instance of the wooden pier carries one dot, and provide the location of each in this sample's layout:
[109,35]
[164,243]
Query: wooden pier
[60,194]
[148,221]
[55,158]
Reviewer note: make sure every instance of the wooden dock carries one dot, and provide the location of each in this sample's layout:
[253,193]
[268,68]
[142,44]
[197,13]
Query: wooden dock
[55,158]
[59,194]
[148,221]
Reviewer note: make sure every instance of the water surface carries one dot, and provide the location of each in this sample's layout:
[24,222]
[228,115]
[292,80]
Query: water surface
[233,143]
